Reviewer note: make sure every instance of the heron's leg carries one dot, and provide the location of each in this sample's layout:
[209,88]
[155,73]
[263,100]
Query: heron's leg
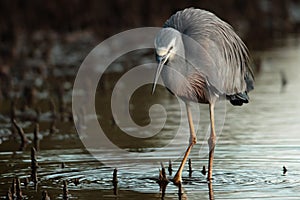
[211,141]
[210,191]
[177,178]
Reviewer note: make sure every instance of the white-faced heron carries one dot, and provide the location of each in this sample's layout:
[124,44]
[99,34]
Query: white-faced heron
[201,59]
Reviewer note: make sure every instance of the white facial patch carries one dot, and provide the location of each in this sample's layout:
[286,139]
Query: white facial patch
[161,51]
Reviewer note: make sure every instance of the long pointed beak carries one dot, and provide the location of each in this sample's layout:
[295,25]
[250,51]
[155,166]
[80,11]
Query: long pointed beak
[158,71]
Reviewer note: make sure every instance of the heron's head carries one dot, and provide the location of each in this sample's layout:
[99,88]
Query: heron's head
[165,49]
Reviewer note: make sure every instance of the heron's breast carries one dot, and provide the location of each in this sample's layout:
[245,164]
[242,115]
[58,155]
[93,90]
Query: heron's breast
[197,88]
[191,87]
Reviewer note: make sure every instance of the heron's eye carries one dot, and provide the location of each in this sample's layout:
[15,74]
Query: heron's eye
[160,58]
[157,57]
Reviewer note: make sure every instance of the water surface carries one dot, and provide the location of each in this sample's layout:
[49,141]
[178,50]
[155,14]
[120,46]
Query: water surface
[256,141]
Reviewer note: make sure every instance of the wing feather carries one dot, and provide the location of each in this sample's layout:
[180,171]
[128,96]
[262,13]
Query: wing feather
[221,48]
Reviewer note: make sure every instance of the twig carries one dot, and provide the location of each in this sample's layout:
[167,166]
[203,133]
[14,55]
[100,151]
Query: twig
[190,168]
[9,195]
[170,168]
[54,116]
[284,170]
[12,116]
[61,102]
[13,188]
[21,133]
[65,191]
[36,137]
[45,195]
[34,165]
[162,180]
[115,181]
[25,181]
[18,189]
[203,171]
[76,181]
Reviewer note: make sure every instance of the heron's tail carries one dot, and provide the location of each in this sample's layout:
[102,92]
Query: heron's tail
[238,99]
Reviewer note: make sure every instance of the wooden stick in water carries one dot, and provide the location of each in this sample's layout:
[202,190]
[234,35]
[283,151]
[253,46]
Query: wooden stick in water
[13,116]
[54,116]
[170,168]
[115,181]
[36,141]
[18,189]
[162,181]
[13,188]
[45,195]
[65,190]
[190,168]
[21,133]
[38,114]
[203,171]
[25,181]
[61,102]
[284,170]
[9,195]
[76,181]
[34,165]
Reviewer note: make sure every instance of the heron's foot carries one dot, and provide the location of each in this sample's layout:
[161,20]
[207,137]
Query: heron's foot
[177,180]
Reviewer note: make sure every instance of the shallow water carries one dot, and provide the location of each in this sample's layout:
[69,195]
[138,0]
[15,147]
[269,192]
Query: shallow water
[256,141]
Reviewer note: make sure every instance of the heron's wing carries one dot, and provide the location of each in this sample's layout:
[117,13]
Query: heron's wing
[219,53]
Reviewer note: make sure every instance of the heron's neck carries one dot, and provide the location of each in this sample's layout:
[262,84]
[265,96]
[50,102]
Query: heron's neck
[175,72]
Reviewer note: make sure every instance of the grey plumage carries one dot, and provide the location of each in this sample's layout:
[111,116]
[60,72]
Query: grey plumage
[211,49]
[201,59]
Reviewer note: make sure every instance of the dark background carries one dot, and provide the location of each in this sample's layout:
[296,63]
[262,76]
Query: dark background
[42,46]
[258,22]
[43,43]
